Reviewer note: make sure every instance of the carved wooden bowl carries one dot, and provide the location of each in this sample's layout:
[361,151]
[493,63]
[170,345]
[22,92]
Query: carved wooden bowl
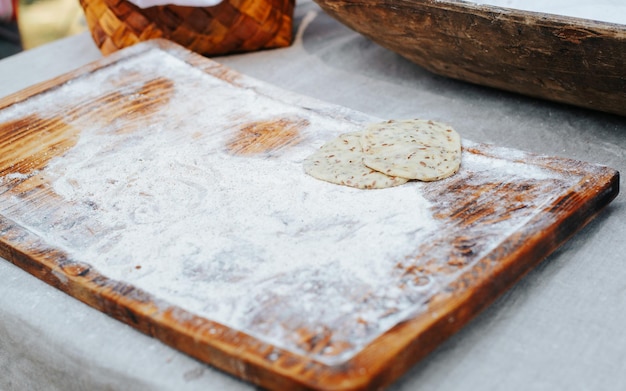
[564,59]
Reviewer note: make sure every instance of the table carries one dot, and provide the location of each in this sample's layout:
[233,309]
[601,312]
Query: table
[560,327]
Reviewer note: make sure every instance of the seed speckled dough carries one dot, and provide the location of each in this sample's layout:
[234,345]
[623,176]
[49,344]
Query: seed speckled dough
[412,149]
[340,161]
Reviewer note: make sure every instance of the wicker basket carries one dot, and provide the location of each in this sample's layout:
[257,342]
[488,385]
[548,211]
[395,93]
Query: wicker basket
[228,27]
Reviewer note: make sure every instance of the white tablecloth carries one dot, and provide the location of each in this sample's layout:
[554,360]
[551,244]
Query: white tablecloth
[561,327]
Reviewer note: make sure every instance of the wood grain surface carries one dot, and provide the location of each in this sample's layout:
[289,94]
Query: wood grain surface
[502,214]
[569,60]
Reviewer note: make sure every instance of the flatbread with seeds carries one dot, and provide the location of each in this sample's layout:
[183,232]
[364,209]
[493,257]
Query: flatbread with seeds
[340,161]
[412,149]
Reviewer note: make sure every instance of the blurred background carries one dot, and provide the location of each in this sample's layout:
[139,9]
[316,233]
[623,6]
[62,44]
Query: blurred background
[43,21]
[37,22]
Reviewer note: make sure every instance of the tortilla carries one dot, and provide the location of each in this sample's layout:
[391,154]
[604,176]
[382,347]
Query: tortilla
[412,149]
[340,161]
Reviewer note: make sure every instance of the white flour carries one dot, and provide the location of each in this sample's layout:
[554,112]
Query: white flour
[247,241]
[169,210]
[611,11]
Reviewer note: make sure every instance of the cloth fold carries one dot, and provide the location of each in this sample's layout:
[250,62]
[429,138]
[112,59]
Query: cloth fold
[189,3]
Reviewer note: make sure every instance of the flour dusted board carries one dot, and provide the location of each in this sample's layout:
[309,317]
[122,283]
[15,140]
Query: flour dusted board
[167,191]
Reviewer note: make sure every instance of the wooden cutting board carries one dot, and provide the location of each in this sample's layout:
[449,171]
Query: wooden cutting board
[167,191]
